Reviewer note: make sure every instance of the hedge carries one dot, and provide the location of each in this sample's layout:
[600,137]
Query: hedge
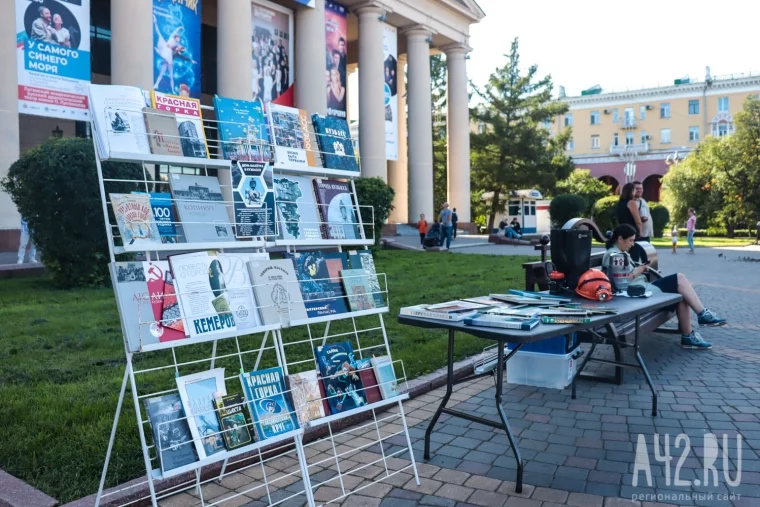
[566,207]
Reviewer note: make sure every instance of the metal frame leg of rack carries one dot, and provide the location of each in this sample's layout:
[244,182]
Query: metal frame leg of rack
[503,425]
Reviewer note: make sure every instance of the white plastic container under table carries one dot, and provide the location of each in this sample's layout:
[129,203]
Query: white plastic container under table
[541,369]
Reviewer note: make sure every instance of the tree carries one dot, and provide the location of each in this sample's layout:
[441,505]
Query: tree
[582,183]
[514,151]
[374,194]
[440,141]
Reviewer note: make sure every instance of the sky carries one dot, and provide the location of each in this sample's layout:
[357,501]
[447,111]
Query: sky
[617,45]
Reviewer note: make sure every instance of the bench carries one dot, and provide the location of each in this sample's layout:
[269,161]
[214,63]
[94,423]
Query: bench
[618,336]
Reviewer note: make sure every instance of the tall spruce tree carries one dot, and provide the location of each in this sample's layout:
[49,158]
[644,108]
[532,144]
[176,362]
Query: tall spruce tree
[514,150]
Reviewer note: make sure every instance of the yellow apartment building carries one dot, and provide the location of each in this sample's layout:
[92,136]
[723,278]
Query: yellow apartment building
[649,128]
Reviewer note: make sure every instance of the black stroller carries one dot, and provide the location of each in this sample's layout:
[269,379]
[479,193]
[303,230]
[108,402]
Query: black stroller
[433,236]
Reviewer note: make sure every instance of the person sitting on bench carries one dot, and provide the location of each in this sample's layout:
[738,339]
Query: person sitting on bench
[622,240]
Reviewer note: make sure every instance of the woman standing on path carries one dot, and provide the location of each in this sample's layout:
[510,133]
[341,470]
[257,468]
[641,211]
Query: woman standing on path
[691,228]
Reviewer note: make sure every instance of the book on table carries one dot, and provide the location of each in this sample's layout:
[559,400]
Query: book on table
[487,320]
[421,311]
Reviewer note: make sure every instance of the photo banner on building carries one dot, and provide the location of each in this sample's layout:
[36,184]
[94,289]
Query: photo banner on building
[336,25]
[177,47]
[272,44]
[53,57]
[390,54]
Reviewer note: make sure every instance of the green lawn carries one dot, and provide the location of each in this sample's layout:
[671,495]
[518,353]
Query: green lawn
[62,362]
[702,242]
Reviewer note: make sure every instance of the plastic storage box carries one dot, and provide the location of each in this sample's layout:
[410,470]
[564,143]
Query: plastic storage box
[541,369]
[557,345]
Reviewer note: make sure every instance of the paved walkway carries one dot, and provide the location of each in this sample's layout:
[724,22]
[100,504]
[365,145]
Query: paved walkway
[578,453]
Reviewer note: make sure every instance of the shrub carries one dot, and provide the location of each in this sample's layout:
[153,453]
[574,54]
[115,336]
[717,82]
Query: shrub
[660,218]
[376,193]
[55,187]
[566,207]
[604,213]
[582,183]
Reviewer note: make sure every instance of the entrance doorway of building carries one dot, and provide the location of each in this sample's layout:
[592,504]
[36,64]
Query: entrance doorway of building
[612,182]
[652,186]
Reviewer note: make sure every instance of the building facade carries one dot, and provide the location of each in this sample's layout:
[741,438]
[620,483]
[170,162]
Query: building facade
[121,36]
[649,128]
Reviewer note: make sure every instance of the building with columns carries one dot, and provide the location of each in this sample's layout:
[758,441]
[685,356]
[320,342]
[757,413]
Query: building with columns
[122,52]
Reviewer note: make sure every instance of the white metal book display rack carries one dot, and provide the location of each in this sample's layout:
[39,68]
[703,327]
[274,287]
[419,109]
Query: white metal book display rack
[345,458]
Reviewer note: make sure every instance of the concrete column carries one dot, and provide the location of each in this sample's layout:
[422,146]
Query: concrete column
[132,43]
[234,67]
[458,131]
[398,171]
[310,58]
[420,124]
[9,126]
[371,91]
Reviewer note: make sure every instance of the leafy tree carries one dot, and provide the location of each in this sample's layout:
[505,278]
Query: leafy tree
[604,213]
[582,183]
[377,193]
[440,138]
[566,207]
[514,151]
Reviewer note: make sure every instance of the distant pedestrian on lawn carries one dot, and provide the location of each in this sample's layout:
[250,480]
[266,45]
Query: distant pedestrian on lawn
[454,221]
[422,228]
[446,225]
[26,239]
[674,238]
[691,228]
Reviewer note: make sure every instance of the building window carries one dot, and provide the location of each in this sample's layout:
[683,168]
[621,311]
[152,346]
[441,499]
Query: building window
[644,137]
[665,136]
[722,104]
[595,118]
[615,116]
[643,112]
[514,208]
[570,145]
[547,124]
[615,140]
[694,107]
[594,142]
[569,120]
[629,139]
[665,110]
[481,128]
[693,133]
[722,129]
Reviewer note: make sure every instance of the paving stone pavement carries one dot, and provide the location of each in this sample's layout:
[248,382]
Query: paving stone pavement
[578,453]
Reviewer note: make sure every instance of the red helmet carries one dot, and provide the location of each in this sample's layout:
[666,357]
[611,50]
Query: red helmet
[594,285]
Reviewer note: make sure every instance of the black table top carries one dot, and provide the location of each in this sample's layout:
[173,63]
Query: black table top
[628,308]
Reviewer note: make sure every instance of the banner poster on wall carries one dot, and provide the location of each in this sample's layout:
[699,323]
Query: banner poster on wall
[272,44]
[307,3]
[53,57]
[177,47]
[390,53]
[336,25]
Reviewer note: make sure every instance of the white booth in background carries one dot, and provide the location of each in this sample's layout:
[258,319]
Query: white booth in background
[531,210]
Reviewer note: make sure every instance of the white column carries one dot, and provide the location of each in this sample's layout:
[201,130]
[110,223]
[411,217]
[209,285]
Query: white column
[9,128]
[398,171]
[420,124]
[310,59]
[458,131]
[371,91]
[233,67]
[132,43]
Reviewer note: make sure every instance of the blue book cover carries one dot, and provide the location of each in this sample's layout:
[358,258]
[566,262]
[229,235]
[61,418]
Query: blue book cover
[243,130]
[343,385]
[319,279]
[334,140]
[163,213]
[272,411]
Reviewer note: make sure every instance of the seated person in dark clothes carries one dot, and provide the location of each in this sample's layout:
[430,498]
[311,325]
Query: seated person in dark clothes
[623,238]
[516,226]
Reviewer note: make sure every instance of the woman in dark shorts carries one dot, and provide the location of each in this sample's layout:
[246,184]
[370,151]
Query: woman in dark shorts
[623,238]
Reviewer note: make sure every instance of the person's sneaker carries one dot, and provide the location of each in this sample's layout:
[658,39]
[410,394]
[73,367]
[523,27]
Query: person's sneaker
[694,341]
[20,261]
[33,260]
[709,319]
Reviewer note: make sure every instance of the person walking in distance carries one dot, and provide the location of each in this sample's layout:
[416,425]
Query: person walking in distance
[454,220]
[422,228]
[26,240]
[691,228]
[647,228]
[674,238]
[446,225]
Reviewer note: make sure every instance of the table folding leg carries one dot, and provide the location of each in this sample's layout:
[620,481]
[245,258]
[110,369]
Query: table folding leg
[504,424]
